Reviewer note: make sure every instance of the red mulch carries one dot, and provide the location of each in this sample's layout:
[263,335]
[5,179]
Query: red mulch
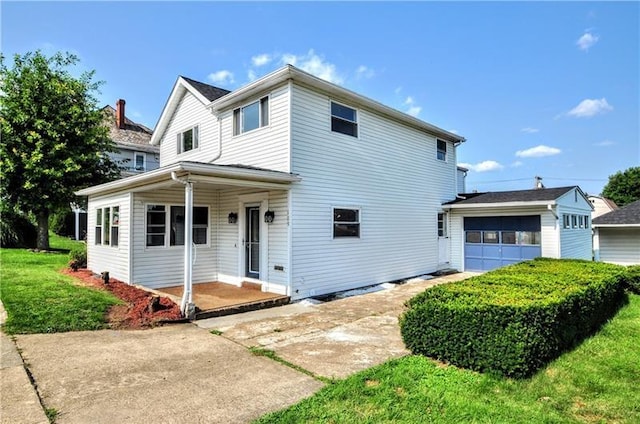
[142,309]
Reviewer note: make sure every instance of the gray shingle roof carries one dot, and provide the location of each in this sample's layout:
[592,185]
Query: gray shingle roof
[132,136]
[511,196]
[629,214]
[208,91]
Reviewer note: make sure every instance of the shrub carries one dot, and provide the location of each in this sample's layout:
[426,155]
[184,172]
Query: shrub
[78,257]
[16,230]
[514,320]
[632,279]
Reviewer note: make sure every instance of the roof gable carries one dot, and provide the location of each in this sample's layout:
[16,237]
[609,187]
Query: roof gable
[626,215]
[205,93]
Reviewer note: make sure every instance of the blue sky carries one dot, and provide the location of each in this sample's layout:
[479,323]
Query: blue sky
[537,88]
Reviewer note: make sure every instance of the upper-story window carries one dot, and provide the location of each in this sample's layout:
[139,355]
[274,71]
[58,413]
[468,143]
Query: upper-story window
[251,116]
[139,159]
[442,150]
[344,119]
[188,140]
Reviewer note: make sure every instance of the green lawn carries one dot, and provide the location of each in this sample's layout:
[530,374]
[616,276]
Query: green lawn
[39,299]
[598,382]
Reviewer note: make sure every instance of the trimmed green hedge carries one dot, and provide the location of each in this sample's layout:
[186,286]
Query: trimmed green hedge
[514,320]
[633,278]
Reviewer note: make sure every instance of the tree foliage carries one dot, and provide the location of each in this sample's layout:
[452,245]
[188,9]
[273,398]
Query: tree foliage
[623,186]
[54,141]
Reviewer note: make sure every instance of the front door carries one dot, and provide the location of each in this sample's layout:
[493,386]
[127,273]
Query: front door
[252,242]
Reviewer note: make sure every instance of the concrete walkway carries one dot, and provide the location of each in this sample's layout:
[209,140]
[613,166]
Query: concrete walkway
[19,402]
[183,373]
[332,339]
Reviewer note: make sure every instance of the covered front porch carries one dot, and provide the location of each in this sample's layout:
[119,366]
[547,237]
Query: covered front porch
[217,299]
[192,223]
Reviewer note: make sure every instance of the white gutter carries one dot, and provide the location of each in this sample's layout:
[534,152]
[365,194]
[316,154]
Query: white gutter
[497,205]
[186,305]
[219,137]
[614,225]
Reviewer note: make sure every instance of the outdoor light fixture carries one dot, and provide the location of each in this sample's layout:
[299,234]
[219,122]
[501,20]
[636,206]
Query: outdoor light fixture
[233,217]
[268,216]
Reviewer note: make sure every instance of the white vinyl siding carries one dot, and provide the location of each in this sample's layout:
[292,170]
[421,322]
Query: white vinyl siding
[575,241]
[189,113]
[103,257]
[619,245]
[390,172]
[265,147]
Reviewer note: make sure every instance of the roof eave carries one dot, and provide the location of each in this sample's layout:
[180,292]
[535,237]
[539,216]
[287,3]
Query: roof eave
[182,168]
[594,225]
[523,204]
[290,72]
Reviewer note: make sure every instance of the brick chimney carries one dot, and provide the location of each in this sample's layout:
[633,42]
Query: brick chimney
[120,113]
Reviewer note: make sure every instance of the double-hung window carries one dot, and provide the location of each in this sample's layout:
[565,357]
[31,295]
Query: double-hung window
[251,116]
[344,119]
[346,222]
[188,139]
[107,226]
[139,161]
[442,150]
[156,225]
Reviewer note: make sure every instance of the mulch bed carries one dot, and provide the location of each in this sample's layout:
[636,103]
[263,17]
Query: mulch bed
[141,308]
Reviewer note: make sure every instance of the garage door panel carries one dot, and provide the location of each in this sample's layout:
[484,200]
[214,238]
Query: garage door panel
[484,251]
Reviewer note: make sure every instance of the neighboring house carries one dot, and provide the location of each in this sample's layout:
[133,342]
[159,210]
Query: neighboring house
[295,183]
[490,230]
[616,236]
[135,153]
[601,205]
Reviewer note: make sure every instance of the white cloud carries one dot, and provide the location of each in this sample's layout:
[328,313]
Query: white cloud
[587,40]
[590,107]
[453,131]
[516,164]
[397,90]
[529,130]
[413,110]
[484,166]
[251,75]
[538,152]
[604,143]
[261,59]
[222,77]
[315,65]
[364,72]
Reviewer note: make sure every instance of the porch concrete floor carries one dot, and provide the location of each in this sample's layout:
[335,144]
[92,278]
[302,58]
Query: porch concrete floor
[215,295]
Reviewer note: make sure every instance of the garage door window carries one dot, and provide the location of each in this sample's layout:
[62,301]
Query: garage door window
[490,237]
[509,237]
[474,237]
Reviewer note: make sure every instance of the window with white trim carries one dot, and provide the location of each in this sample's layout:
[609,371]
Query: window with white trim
[586,221]
[574,221]
[346,222]
[344,119]
[139,161]
[158,220]
[107,226]
[188,139]
[441,153]
[252,116]
[156,225]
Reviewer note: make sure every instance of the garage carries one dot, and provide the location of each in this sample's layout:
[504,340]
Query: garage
[493,242]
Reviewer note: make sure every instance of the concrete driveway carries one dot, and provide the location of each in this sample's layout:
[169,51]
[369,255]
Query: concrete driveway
[173,374]
[332,339]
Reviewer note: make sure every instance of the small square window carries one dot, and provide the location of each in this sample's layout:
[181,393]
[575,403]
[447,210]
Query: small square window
[251,116]
[346,222]
[344,119]
[188,140]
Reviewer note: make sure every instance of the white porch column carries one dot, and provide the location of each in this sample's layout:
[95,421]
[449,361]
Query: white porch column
[77,211]
[187,306]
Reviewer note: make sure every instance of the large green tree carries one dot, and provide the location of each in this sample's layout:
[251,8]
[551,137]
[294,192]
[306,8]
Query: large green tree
[623,186]
[54,141]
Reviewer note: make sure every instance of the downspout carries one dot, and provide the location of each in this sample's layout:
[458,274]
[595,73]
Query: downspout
[186,305]
[219,138]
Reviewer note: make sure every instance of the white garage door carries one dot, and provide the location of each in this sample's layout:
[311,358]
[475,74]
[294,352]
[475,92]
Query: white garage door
[620,245]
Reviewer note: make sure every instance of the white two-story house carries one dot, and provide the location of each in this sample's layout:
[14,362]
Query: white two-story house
[293,183]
